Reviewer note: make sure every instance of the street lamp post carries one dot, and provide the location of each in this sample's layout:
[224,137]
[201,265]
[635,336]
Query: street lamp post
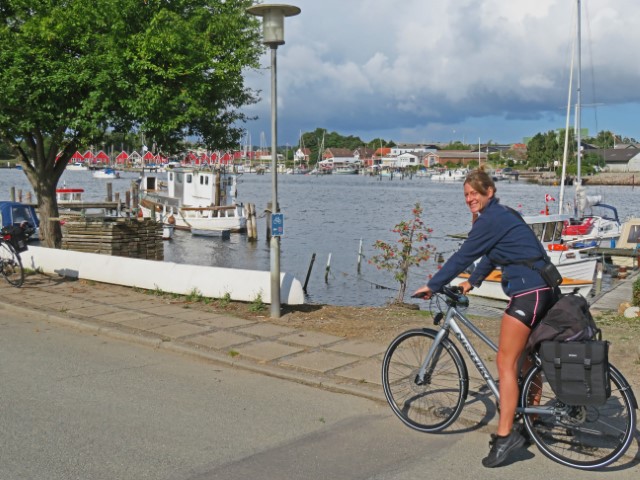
[273,35]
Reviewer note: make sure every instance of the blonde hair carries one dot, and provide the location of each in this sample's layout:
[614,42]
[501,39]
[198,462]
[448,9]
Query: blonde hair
[481,181]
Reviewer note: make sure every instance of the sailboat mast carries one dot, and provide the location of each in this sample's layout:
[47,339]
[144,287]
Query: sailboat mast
[579,100]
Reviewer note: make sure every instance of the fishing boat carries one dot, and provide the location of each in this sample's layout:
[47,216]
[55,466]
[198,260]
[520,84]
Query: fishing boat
[196,200]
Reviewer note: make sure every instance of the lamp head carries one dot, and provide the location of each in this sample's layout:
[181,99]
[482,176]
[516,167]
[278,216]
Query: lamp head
[273,21]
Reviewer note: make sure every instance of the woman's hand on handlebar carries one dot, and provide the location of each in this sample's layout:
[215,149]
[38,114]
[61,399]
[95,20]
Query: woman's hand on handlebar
[423,292]
[466,287]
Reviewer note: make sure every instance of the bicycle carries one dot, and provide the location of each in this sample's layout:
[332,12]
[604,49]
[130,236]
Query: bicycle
[13,240]
[426,382]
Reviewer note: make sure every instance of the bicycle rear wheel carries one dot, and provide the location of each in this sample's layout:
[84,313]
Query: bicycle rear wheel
[11,265]
[433,404]
[584,437]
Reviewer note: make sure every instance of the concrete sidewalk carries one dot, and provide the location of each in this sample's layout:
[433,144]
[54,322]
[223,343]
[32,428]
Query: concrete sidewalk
[325,361]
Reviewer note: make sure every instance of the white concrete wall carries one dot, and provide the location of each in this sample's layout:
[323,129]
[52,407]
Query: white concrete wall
[242,285]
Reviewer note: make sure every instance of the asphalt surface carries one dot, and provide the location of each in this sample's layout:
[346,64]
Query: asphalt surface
[330,362]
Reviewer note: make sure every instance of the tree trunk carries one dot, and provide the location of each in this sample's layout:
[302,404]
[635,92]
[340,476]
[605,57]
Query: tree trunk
[50,231]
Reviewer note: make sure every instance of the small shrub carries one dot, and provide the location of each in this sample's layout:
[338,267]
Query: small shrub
[636,292]
[194,296]
[257,305]
[225,300]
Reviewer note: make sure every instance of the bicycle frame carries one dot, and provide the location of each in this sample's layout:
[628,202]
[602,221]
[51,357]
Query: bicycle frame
[450,324]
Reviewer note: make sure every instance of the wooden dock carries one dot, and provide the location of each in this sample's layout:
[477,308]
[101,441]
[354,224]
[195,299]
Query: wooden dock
[622,292]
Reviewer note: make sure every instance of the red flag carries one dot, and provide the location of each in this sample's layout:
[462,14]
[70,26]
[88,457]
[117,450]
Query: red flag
[549,198]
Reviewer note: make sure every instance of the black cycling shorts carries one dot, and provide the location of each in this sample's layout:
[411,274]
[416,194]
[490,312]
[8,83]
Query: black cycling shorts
[529,307]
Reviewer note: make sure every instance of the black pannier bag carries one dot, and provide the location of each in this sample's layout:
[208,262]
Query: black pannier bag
[16,236]
[574,358]
[578,372]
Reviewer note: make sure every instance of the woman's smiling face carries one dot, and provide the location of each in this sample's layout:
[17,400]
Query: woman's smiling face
[477,201]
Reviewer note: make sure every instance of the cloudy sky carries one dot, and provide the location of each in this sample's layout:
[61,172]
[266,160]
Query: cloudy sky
[437,70]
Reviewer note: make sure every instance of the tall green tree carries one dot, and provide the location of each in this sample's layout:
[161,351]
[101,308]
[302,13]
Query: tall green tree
[73,70]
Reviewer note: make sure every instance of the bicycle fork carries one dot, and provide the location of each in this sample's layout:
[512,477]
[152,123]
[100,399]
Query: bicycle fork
[423,377]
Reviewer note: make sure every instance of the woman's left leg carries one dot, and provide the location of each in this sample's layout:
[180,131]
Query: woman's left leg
[513,339]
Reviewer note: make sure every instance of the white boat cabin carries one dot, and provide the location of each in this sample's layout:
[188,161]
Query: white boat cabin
[192,187]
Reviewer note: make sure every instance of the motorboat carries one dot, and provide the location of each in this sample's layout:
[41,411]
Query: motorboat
[457,175]
[574,264]
[196,200]
[77,167]
[108,173]
[601,227]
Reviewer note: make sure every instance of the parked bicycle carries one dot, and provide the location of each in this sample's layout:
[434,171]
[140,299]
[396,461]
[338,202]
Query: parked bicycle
[13,241]
[426,383]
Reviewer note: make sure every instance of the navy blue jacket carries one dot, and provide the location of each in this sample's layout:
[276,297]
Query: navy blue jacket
[500,237]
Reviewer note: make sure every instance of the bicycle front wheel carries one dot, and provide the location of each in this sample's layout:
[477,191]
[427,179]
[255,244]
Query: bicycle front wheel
[11,265]
[433,403]
[584,437]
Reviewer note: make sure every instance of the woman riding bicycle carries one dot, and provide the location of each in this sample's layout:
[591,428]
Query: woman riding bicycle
[500,237]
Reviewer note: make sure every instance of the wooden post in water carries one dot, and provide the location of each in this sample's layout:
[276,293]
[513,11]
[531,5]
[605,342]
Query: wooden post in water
[598,277]
[20,195]
[252,227]
[327,270]
[218,194]
[306,280]
[28,198]
[269,210]
[127,200]
[109,192]
[359,256]
[12,195]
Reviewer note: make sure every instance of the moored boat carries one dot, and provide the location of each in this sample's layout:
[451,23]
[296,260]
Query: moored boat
[492,286]
[196,200]
[106,173]
[457,175]
[575,266]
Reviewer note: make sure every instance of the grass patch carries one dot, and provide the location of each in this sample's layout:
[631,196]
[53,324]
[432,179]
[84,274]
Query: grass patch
[257,305]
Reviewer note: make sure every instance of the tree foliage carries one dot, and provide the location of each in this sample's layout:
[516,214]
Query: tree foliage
[71,71]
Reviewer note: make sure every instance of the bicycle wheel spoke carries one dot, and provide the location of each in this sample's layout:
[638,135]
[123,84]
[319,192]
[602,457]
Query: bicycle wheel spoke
[11,265]
[577,436]
[432,402]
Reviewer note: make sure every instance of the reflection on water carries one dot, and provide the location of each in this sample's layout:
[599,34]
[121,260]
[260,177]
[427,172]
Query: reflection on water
[329,215]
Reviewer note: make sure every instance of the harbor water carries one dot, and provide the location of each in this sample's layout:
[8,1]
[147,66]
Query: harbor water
[329,215]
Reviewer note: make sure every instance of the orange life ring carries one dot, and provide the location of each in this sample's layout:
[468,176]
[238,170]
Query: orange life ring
[557,247]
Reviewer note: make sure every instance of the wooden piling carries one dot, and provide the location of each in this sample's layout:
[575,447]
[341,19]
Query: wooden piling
[359,256]
[252,233]
[20,195]
[598,277]
[269,211]
[12,195]
[28,198]
[306,280]
[327,270]
[109,192]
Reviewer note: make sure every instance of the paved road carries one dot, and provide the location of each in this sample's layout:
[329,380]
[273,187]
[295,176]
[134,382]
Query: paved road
[78,405]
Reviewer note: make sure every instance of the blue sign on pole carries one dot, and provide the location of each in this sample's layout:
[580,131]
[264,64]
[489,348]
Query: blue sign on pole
[277,224]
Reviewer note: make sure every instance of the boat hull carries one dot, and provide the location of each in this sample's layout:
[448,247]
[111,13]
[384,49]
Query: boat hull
[231,218]
[492,287]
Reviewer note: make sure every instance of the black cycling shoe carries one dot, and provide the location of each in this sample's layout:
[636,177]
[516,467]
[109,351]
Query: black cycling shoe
[500,448]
